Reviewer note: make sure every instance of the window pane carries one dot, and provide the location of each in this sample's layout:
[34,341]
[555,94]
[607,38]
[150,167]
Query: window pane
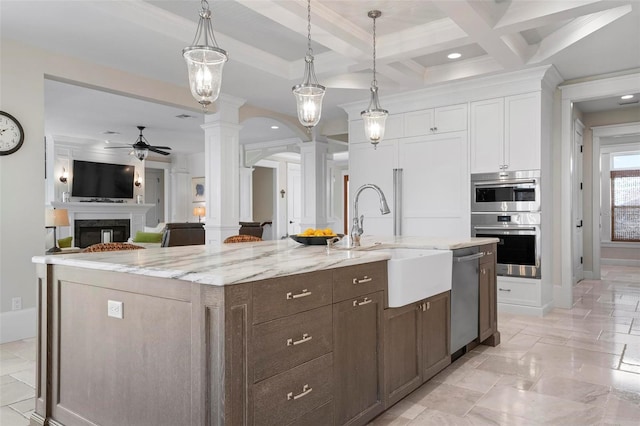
[625,205]
[626,161]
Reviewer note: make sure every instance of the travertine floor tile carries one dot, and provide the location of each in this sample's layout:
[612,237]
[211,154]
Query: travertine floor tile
[484,416]
[449,399]
[575,390]
[11,417]
[15,392]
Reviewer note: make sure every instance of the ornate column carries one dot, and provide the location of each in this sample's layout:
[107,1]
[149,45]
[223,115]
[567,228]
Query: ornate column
[313,167]
[222,174]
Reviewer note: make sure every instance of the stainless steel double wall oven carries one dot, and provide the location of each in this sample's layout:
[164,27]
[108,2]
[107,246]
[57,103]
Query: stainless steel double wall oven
[506,205]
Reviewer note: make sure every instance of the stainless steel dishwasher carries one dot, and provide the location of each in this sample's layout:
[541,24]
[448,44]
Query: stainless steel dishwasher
[464,297]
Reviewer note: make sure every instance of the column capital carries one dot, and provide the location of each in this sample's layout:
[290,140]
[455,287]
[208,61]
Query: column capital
[227,109]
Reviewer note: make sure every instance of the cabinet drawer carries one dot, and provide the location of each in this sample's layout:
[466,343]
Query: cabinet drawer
[284,398]
[354,281]
[519,291]
[321,416]
[280,297]
[287,342]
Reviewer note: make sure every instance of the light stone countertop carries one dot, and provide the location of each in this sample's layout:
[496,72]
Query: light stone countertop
[228,264]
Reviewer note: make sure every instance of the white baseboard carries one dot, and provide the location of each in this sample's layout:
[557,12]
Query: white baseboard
[620,262]
[587,275]
[537,311]
[17,325]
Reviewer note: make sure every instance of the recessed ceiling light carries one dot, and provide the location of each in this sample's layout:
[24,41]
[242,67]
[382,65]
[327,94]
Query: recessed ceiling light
[274,127]
[626,97]
[454,55]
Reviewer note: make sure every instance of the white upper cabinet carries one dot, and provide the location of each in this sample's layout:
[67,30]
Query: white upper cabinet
[522,148]
[505,133]
[446,119]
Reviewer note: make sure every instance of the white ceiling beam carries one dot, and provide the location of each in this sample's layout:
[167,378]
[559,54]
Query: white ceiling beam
[576,30]
[327,27]
[477,27]
[414,42]
[526,15]
[161,21]
[406,77]
[462,69]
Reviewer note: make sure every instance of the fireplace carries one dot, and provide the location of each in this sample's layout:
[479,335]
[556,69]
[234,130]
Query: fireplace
[88,232]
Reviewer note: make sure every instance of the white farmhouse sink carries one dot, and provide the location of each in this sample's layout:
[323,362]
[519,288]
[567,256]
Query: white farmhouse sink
[415,274]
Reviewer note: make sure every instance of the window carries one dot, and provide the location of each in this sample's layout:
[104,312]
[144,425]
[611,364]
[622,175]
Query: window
[625,197]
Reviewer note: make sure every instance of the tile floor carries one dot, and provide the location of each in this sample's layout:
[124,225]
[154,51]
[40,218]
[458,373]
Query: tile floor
[572,367]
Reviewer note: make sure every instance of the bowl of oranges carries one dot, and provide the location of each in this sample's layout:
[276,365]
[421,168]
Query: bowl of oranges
[315,237]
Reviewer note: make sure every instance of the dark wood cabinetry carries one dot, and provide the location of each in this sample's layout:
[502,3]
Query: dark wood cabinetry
[416,345]
[487,309]
[436,329]
[358,340]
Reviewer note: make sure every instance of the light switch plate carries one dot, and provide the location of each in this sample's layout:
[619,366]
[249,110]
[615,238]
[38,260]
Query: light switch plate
[115,309]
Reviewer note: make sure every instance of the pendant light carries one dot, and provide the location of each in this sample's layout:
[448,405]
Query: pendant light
[204,60]
[309,93]
[374,116]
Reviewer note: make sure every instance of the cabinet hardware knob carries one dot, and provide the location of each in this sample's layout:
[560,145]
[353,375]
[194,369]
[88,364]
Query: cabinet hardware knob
[366,279]
[305,391]
[435,129]
[365,301]
[504,289]
[305,338]
[304,293]
[489,253]
[484,271]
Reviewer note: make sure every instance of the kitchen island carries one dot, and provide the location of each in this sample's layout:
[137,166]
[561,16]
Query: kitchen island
[253,333]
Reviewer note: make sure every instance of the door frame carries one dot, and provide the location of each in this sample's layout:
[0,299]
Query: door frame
[578,201]
[598,133]
[570,93]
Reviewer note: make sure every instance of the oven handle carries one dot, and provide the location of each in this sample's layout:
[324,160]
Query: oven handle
[504,182]
[505,228]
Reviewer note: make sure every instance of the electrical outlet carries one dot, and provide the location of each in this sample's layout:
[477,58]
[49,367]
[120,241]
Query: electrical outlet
[16,303]
[115,309]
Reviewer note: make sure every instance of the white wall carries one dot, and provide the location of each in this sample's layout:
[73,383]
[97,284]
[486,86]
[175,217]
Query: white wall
[22,233]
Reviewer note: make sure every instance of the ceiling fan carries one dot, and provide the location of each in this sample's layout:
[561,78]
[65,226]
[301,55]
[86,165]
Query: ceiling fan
[141,148]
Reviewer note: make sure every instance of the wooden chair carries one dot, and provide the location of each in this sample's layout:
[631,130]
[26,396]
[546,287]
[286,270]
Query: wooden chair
[241,239]
[110,247]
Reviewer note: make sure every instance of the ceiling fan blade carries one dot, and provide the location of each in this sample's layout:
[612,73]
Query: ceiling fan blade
[153,149]
[159,147]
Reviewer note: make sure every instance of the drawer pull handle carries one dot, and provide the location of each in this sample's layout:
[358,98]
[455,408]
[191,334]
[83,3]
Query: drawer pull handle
[366,279]
[489,253]
[365,301]
[304,293]
[306,390]
[305,338]
[504,289]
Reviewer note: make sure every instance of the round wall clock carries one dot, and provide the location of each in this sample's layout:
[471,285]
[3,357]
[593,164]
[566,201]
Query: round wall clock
[11,134]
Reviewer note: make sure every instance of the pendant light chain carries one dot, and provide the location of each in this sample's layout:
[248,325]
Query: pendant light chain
[375,82]
[309,27]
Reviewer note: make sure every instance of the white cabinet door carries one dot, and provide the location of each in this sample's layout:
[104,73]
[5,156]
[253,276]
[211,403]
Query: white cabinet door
[451,118]
[435,185]
[487,135]
[369,165]
[522,131]
[417,123]
[446,119]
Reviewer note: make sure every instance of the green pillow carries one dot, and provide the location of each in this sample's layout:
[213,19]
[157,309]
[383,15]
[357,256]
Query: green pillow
[65,242]
[147,237]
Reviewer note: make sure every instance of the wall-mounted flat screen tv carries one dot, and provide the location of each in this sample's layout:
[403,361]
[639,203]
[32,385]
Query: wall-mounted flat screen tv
[102,180]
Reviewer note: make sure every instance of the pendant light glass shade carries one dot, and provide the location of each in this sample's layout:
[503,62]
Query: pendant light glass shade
[309,93]
[374,117]
[205,61]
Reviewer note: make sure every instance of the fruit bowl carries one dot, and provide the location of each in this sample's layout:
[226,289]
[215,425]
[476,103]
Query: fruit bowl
[313,240]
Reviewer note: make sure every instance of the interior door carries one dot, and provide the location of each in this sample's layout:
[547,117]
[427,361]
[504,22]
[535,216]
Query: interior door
[154,194]
[294,199]
[577,199]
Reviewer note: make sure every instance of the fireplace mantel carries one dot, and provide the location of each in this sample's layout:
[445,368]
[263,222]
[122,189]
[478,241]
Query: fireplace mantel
[89,210]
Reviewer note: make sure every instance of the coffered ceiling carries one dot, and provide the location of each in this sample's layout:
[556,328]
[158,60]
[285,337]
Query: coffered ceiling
[266,40]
